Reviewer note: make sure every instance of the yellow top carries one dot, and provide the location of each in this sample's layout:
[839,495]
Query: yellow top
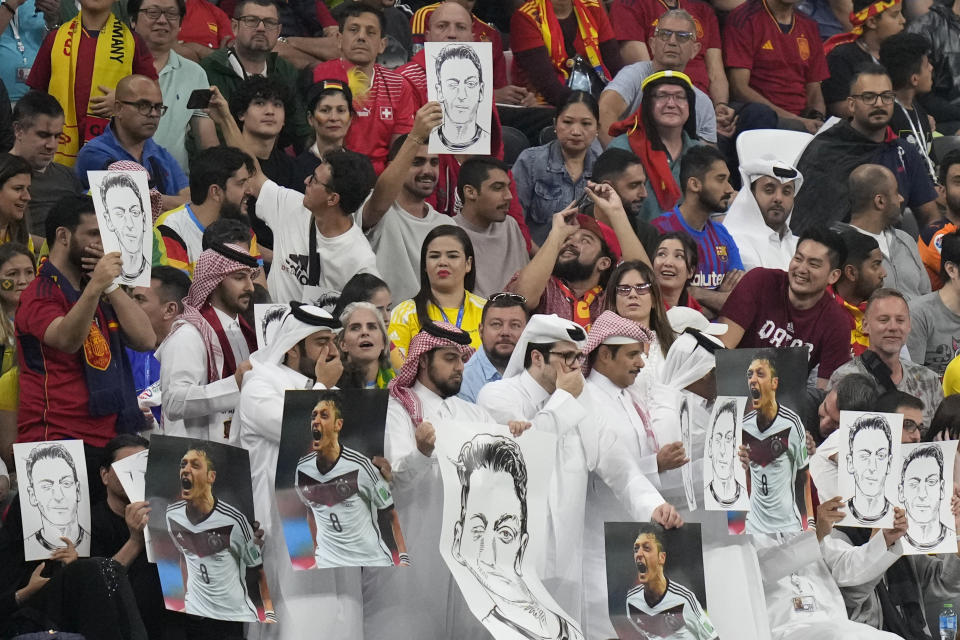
[404,324]
[951,378]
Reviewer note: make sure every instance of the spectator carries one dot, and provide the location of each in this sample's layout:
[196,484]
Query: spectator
[399,41]
[15,175]
[551,176]
[568,274]
[397,216]
[501,324]
[861,273]
[204,357]
[705,180]
[759,217]
[772,308]
[623,170]
[484,189]
[69,310]
[660,132]
[935,317]
[366,287]
[83,85]
[854,392]
[545,35]
[308,30]
[17,268]
[204,29]
[22,34]
[329,112]
[873,23]
[447,279]
[941,27]
[129,136]
[774,57]
[365,348]
[218,187]
[886,322]
[875,211]
[946,421]
[673,45]
[830,157]
[675,262]
[260,106]
[312,266]
[158,23]
[257,25]
[932,235]
[905,57]
[37,127]
[383,102]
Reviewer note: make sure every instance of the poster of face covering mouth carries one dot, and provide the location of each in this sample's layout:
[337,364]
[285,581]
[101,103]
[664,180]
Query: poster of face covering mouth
[495,491]
[866,467]
[655,583]
[773,381]
[122,203]
[924,489]
[724,478]
[202,530]
[54,497]
[460,78]
[334,500]
[131,473]
[267,318]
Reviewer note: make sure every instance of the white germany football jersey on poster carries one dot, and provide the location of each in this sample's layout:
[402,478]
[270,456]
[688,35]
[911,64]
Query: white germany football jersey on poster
[345,502]
[218,550]
[678,615]
[776,455]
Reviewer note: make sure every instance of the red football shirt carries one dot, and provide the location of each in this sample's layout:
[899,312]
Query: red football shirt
[53,386]
[760,304]
[636,20]
[206,24]
[39,78]
[387,110]
[781,64]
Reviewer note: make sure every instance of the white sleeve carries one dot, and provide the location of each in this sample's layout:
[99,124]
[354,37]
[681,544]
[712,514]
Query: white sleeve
[863,565]
[183,379]
[789,556]
[261,408]
[276,204]
[400,448]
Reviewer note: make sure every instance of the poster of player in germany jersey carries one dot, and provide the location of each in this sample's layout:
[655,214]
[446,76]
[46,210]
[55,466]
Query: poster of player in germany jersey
[655,584]
[333,490]
[203,531]
[774,383]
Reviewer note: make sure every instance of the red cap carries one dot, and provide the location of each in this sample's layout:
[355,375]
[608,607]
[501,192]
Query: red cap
[602,231]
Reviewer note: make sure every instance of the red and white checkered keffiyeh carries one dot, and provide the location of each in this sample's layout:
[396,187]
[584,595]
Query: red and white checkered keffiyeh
[156,198]
[212,267]
[423,342]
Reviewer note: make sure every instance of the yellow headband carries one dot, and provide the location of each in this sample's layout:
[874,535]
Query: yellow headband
[653,77]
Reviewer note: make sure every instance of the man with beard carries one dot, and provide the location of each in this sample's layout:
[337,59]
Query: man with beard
[501,323]
[203,360]
[623,170]
[568,274]
[658,607]
[705,180]
[930,236]
[72,325]
[861,274]
[484,189]
[867,138]
[218,187]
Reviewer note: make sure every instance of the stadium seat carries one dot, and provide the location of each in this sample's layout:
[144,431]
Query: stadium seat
[513,143]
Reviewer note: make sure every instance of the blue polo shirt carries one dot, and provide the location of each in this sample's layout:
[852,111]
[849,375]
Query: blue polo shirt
[98,154]
[477,372]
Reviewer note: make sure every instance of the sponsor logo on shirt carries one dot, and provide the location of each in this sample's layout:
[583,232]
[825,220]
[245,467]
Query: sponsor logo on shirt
[386,113]
[708,280]
[767,45]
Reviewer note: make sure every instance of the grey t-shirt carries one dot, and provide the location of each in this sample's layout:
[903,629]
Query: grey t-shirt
[500,251]
[627,84]
[934,332]
[45,189]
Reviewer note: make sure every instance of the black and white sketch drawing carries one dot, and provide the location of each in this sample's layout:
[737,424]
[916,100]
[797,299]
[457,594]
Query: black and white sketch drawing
[55,498]
[686,471]
[267,318]
[131,472]
[460,78]
[924,493]
[724,478]
[122,203]
[869,447]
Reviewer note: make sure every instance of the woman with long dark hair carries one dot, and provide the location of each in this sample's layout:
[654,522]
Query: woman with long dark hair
[329,112]
[674,265]
[15,177]
[366,287]
[446,278]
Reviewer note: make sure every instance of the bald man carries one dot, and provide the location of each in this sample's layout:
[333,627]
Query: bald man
[129,136]
[875,209]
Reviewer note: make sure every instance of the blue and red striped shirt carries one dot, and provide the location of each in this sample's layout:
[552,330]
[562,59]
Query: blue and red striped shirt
[717,252]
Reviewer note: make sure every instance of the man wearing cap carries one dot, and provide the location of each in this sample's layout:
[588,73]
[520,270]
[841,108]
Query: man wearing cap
[301,355]
[423,601]
[543,383]
[203,360]
[568,274]
[759,217]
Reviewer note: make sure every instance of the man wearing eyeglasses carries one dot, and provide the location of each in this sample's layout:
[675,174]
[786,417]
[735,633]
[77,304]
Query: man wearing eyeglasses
[129,136]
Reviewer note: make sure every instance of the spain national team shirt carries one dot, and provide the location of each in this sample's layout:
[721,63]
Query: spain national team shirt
[205,23]
[716,249]
[776,455]
[345,502]
[637,19]
[677,615]
[782,59]
[218,551]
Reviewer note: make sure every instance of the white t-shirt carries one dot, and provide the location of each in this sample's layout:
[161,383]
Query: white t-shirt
[881,239]
[396,240]
[338,258]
